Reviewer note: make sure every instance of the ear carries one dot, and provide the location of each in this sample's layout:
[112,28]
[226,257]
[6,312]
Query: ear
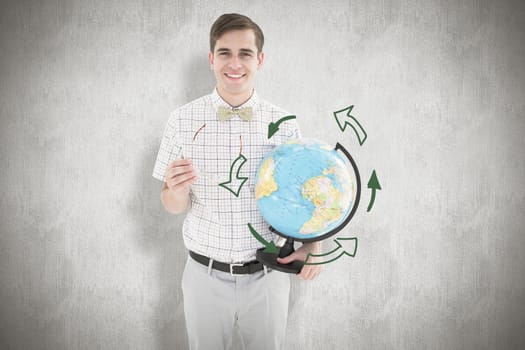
[260,60]
[210,59]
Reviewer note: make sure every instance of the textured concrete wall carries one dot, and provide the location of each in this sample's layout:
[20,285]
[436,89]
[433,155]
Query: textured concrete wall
[88,257]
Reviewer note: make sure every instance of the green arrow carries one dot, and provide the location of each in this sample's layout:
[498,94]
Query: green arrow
[347,119]
[337,252]
[373,184]
[274,127]
[234,185]
[270,246]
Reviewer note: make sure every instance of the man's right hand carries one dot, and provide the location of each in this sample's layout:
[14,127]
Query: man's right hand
[175,195]
[180,175]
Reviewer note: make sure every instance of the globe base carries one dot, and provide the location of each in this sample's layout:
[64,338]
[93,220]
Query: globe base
[270,260]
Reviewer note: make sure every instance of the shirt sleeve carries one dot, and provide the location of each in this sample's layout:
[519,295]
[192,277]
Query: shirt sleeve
[170,148]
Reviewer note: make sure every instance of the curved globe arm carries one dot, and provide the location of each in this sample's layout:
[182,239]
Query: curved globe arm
[340,147]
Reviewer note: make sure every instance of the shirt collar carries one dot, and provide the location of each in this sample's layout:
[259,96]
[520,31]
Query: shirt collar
[218,101]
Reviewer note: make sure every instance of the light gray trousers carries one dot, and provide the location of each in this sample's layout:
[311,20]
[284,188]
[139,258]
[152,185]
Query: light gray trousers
[216,302]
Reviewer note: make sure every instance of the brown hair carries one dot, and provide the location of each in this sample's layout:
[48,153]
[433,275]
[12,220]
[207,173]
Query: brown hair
[235,21]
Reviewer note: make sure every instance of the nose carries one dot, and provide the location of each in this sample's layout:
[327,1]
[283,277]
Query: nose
[235,62]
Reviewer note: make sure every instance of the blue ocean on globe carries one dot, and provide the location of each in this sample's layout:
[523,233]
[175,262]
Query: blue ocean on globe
[304,188]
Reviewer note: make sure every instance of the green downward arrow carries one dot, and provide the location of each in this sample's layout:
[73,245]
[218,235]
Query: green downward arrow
[274,127]
[234,185]
[373,184]
[270,246]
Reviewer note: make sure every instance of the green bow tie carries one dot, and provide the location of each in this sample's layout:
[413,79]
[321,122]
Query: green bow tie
[225,113]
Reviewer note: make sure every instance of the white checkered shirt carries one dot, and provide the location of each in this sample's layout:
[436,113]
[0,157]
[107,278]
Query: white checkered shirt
[216,224]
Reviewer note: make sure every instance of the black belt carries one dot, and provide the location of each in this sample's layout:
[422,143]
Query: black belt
[233,269]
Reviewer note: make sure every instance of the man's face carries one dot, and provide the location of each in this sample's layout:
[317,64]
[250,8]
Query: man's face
[235,62]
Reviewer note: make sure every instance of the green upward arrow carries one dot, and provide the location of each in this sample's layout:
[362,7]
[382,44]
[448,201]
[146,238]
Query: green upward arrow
[234,185]
[373,184]
[343,120]
[274,127]
[270,246]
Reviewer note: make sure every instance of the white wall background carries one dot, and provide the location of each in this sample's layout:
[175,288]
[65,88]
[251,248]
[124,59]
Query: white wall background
[90,260]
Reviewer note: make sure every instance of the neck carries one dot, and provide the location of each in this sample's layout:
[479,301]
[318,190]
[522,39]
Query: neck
[234,100]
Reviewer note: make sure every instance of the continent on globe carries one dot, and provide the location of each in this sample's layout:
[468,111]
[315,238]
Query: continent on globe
[266,184]
[326,199]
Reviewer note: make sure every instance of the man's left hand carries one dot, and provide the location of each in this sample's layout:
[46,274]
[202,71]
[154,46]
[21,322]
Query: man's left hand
[308,272]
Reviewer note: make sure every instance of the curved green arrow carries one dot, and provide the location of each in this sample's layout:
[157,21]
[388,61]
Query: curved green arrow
[338,252]
[347,119]
[270,246]
[274,127]
[234,185]
[374,185]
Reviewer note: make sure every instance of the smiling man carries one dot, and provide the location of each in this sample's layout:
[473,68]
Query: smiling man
[224,287]
[235,58]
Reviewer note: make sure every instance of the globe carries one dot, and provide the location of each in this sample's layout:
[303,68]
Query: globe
[305,189]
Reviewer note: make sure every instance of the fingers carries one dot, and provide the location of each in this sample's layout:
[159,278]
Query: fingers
[179,162]
[309,272]
[286,260]
[179,171]
[179,166]
[180,175]
[181,182]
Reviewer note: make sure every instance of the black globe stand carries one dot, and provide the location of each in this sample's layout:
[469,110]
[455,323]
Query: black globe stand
[270,259]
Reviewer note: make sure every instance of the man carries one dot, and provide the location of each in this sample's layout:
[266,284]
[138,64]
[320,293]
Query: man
[223,285]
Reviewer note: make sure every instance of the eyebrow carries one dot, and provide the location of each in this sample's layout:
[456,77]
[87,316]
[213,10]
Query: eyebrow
[247,50]
[222,49]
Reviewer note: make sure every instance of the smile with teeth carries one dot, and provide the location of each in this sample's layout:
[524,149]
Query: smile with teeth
[234,76]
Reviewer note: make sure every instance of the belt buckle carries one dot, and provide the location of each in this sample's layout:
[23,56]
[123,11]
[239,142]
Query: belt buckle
[231,269]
